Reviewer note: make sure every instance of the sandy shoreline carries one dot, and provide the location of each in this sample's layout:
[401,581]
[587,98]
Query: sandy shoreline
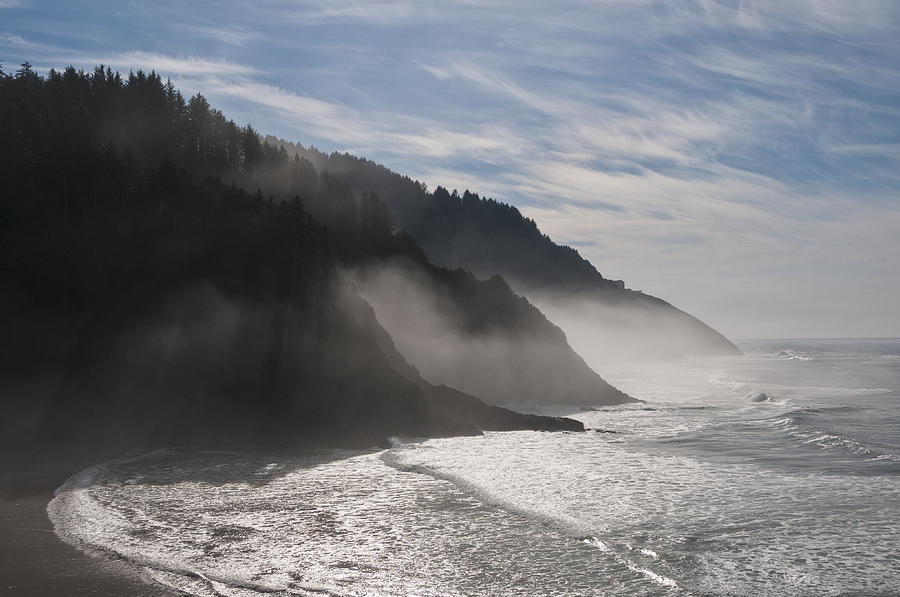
[33,561]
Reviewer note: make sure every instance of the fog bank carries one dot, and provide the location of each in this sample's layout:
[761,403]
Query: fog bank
[478,336]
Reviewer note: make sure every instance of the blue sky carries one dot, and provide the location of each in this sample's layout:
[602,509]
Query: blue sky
[740,159]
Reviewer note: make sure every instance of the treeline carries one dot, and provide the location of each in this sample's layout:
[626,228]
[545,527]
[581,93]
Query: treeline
[96,129]
[465,230]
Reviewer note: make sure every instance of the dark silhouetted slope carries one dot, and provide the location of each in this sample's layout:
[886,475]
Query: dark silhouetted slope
[488,237]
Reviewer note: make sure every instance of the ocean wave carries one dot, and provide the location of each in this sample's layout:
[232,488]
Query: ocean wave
[863,391]
[648,573]
[790,355]
[766,399]
[636,559]
[191,582]
[83,521]
[394,458]
[802,425]
[204,526]
[818,410]
[89,518]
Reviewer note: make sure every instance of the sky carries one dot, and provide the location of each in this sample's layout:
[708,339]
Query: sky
[740,159]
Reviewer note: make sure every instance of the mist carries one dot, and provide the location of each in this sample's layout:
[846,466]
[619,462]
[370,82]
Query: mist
[608,333]
[483,339]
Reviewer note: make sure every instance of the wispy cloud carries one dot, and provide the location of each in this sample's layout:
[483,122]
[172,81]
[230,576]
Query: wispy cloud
[889,151]
[162,63]
[392,12]
[350,128]
[235,35]
[13,39]
[670,139]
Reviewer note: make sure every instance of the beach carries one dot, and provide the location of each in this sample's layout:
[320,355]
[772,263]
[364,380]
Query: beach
[33,561]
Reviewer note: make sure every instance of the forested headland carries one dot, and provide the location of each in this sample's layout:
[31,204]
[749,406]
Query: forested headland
[170,277]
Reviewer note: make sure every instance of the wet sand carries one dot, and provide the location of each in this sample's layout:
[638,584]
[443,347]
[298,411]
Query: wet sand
[33,561]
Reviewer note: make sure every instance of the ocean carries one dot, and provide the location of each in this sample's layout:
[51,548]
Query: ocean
[774,473]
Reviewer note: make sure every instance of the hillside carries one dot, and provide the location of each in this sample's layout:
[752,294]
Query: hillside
[166,276]
[601,316]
